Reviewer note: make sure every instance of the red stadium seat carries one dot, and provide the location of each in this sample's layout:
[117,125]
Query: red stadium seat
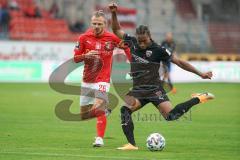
[38,29]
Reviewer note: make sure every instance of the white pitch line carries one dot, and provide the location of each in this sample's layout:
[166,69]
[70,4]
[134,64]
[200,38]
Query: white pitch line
[71,155]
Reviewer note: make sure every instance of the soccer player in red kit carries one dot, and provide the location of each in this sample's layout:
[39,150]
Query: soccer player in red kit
[95,48]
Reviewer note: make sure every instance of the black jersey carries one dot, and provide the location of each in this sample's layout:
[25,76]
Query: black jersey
[171,46]
[146,62]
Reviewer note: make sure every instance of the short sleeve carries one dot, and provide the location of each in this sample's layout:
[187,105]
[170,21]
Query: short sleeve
[166,55]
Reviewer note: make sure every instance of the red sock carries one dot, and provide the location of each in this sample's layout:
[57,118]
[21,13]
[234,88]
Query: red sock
[101,125]
[96,112]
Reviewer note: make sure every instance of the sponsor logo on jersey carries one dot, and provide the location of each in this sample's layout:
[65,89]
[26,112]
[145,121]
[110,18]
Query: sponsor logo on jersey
[140,59]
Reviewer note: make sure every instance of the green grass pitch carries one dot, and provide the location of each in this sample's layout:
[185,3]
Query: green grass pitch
[29,128]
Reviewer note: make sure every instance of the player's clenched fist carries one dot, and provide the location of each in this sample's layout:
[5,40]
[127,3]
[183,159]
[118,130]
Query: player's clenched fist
[113,6]
[207,75]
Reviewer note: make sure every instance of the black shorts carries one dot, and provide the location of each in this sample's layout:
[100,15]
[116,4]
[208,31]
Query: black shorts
[146,95]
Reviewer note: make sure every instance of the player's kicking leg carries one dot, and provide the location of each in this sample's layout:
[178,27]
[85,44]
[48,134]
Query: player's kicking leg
[173,114]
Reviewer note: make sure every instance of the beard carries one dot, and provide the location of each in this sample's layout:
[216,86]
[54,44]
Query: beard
[98,31]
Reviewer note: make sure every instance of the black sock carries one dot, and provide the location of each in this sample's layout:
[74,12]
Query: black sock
[127,124]
[181,108]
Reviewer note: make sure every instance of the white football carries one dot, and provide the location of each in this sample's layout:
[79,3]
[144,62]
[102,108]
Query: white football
[155,142]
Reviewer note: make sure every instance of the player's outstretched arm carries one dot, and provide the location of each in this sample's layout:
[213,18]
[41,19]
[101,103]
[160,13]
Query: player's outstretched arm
[188,67]
[115,24]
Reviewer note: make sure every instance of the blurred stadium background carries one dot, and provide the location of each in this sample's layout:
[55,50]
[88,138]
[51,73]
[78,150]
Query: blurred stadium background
[36,36]
[34,32]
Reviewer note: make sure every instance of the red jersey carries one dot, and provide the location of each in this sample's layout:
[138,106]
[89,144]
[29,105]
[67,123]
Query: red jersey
[97,69]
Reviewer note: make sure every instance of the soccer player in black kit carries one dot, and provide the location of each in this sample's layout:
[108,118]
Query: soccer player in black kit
[147,87]
[169,44]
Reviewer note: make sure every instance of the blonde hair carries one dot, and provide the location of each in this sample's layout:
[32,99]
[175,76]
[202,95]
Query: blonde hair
[99,13]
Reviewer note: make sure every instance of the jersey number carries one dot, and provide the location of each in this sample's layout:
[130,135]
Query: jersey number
[102,88]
